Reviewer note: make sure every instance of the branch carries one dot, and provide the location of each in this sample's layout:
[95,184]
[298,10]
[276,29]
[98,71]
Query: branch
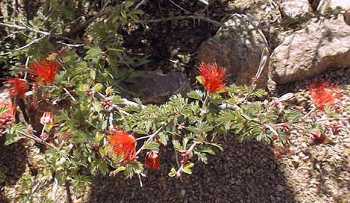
[140,4]
[149,139]
[25,46]
[25,28]
[39,140]
[196,17]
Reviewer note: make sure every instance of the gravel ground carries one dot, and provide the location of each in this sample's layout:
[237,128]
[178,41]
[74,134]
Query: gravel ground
[244,172]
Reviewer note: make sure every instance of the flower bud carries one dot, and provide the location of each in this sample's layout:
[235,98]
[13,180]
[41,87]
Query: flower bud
[152,160]
[46,118]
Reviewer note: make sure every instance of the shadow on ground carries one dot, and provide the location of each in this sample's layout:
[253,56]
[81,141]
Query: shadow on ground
[243,172]
[12,164]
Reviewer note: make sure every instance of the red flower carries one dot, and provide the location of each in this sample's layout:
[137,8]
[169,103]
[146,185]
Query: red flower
[46,118]
[123,145]
[152,160]
[213,77]
[18,87]
[324,94]
[45,71]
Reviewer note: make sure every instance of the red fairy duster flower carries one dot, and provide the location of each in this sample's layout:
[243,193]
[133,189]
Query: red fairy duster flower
[213,77]
[18,87]
[46,118]
[324,94]
[45,71]
[152,160]
[123,145]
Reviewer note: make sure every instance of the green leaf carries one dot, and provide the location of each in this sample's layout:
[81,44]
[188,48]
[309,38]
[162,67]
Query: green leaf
[117,100]
[196,94]
[163,138]
[172,172]
[200,80]
[119,169]
[133,168]
[14,134]
[207,150]
[12,138]
[98,87]
[188,168]
[177,145]
[217,146]
[3,110]
[292,116]
[94,54]
[153,146]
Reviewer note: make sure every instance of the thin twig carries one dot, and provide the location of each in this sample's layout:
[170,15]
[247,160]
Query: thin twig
[26,67]
[70,45]
[25,46]
[39,140]
[69,94]
[25,28]
[189,150]
[197,17]
[175,4]
[140,4]
[149,139]
[272,129]
[140,180]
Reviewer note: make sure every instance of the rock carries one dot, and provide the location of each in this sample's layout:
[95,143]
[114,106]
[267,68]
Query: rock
[154,87]
[238,47]
[310,51]
[326,5]
[296,8]
[347,17]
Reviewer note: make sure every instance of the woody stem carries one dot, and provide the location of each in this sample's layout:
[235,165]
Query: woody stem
[43,130]
[149,139]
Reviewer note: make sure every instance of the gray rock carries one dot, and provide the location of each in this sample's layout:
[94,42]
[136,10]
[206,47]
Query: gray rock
[238,47]
[310,51]
[154,87]
[325,5]
[296,8]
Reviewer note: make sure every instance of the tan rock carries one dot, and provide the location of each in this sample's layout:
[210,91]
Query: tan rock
[296,8]
[325,5]
[238,47]
[318,47]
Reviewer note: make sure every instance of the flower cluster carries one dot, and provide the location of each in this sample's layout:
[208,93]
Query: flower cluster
[46,118]
[17,87]
[45,71]
[324,94]
[152,160]
[123,145]
[213,77]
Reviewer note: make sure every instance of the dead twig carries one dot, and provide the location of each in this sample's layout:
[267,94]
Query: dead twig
[195,17]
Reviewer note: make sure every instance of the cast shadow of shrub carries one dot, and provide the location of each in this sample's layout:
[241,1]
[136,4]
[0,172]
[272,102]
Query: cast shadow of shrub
[243,172]
[12,164]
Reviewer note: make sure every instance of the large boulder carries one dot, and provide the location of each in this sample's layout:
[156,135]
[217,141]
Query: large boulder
[316,48]
[326,5]
[238,47]
[296,8]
